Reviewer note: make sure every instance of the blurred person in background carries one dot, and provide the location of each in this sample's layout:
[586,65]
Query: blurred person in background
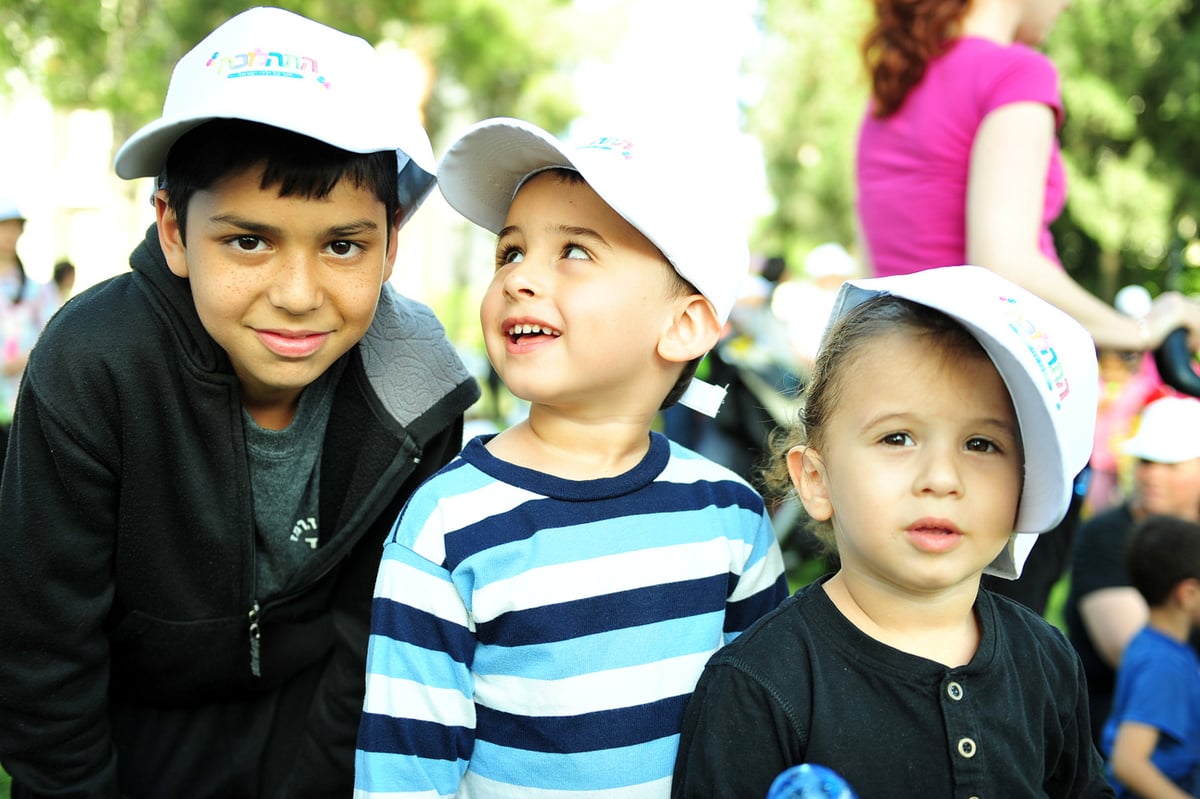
[1129,381]
[1103,610]
[64,279]
[1152,738]
[804,304]
[958,162]
[25,307]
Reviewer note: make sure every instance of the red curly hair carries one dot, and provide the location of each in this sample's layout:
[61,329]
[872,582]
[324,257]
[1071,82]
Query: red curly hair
[905,36]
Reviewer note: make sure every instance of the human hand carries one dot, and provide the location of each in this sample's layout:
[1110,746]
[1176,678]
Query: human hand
[1169,312]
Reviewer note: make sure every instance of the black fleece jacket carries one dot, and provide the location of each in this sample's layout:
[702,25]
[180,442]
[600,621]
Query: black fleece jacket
[127,533]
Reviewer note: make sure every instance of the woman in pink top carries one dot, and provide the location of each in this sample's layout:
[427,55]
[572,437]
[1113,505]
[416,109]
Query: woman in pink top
[958,162]
[958,157]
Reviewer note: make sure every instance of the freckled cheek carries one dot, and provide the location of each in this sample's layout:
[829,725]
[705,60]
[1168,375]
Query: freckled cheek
[222,299]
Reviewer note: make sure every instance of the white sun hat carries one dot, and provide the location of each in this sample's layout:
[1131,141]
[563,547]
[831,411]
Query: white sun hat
[9,210]
[278,68]
[1047,361]
[1168,431]
[669,199]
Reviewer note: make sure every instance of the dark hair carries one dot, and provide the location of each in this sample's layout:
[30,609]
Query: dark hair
[62,269]
[298,165]
[22,279]
[679,286]
[773,268]
[830,377]
[1162,552]
[906,35]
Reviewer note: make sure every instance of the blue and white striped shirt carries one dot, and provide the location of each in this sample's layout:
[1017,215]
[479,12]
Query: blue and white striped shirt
[537,637]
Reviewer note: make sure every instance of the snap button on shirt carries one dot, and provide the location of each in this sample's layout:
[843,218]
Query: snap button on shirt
[954,691]
[966,747]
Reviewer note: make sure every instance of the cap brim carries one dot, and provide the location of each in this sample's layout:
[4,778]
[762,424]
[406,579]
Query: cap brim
[482,171]
[480,174]
[144,154]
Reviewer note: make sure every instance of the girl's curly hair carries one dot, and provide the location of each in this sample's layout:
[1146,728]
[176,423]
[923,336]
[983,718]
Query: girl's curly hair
[906,35]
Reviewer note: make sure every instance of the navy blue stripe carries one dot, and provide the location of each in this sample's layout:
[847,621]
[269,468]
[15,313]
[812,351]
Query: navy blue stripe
[403,623]
[588,732]
[657,499]
[741,614]
[617,611]
[454,465]
[427,739]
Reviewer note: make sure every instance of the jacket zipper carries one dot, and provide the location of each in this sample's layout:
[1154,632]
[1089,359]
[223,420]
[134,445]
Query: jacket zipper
[255,635]
[255,610]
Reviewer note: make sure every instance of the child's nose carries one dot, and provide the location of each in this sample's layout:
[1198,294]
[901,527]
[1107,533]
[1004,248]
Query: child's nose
[296,287]
[525,278]
[939,473]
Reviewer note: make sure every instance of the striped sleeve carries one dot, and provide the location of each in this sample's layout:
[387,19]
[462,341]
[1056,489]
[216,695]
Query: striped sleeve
[418,724]
[762,584]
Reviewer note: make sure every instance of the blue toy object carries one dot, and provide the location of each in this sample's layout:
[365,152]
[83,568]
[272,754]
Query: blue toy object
[809,781]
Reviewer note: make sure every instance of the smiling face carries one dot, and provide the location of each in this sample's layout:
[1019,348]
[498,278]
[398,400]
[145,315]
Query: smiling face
[285,285]
[579,303]
[919,466]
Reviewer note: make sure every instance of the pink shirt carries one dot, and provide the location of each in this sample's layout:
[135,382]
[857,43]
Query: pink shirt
[912,167]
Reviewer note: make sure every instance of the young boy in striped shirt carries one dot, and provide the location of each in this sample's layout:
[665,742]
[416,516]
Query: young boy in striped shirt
[546,603]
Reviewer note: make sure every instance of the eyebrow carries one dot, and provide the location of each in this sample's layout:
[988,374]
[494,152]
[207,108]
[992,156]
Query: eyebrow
[902,418]
[574,231]
[356,227]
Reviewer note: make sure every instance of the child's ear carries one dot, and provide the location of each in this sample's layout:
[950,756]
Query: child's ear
[1187,593]
[170,235]
[692,331]
[809,476]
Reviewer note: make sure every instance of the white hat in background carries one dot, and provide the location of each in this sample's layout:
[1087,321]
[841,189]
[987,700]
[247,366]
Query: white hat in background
[1133,300]
[1047,361]
[278,68]
[1168,432]
[829,259]
[670,200]
[9,210]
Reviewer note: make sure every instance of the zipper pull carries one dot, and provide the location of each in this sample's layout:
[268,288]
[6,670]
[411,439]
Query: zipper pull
[254,638]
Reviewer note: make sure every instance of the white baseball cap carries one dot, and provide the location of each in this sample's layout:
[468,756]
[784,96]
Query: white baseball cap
[829,259]
[1047,361]
[1168,432]
[669,200]
[9,210]
[278,68]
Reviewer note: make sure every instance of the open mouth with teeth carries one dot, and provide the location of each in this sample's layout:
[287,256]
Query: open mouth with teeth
[518,332]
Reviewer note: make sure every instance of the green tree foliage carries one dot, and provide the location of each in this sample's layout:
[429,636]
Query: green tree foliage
[490,56]
[813,93]
[1131,87]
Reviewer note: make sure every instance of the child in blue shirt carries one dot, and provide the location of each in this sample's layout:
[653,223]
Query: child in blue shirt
[546,603]
[1152,736]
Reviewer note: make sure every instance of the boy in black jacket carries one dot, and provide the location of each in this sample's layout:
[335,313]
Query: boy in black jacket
[209,450]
